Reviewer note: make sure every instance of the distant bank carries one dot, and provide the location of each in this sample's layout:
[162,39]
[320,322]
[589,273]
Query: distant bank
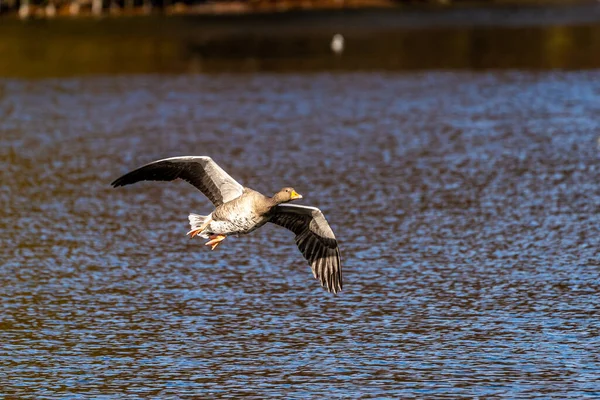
[36,9]
[53,8]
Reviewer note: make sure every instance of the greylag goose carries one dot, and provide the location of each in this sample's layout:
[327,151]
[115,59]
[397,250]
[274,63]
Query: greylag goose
[241,210]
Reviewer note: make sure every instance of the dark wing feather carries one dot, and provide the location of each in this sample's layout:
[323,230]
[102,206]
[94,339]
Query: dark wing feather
[315,240]
[202,172]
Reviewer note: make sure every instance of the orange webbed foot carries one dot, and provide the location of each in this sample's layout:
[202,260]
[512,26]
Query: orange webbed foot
[214,241]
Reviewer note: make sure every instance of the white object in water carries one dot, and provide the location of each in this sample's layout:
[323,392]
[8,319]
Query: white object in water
[337,44]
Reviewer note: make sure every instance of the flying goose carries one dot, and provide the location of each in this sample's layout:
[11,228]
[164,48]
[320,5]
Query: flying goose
[241,210]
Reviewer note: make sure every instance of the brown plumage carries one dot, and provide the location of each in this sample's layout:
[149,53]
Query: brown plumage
[241,210]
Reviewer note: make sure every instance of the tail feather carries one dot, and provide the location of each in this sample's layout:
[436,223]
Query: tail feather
[199,222]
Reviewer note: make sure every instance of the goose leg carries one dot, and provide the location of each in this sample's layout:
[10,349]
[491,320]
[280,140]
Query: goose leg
[215,240]
[196,231]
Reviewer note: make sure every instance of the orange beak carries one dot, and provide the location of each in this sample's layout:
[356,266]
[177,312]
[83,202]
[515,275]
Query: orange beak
[295,195]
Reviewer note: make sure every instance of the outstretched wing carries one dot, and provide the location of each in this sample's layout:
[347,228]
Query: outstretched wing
[202,172]
[316,241]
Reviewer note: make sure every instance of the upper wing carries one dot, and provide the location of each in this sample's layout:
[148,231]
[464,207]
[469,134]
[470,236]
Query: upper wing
[316,241]
[202,172]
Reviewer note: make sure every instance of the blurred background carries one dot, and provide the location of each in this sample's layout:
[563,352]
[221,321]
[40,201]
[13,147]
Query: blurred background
[453,147]
[40,39]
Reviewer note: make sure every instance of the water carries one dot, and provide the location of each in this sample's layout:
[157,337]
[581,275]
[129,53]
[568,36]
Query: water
[466,204]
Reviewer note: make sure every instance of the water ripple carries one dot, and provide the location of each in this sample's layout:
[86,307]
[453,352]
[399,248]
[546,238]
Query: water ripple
[466,205]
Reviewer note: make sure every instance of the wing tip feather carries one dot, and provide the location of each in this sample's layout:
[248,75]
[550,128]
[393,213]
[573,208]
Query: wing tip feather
[117,182]
[328,271]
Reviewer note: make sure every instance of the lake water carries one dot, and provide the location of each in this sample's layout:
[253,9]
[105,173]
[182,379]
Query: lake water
[466,204]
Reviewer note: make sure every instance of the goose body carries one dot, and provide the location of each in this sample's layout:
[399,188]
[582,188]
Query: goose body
[236,217]
[240,210]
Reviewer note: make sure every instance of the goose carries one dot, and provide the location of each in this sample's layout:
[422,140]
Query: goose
[241,210]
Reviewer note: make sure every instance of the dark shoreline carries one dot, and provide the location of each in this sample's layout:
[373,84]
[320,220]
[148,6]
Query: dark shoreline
[412,15]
